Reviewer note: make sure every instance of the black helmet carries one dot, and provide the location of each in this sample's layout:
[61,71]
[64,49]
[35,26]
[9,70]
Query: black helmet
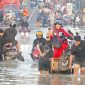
[58,21]
[77,38]
[39,33]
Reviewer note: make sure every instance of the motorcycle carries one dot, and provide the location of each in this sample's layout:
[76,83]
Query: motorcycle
[64,63]
[35,54]
[61,64]
[10,53]
[25,32]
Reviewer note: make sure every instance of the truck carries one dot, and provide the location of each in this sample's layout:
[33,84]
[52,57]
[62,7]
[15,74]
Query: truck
[7,5]
[3,3]
[9,8]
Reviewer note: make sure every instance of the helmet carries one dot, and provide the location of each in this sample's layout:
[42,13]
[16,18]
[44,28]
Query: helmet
[58,21]
[77,38]
[39,33]
[13,24]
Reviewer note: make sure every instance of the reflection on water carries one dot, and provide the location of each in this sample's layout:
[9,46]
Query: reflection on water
[17,73]
[23,73]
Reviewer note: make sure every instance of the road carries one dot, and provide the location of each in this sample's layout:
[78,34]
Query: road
[33,17]
[26,73]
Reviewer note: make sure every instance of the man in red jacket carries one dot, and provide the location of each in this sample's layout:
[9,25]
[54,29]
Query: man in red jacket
[59,39]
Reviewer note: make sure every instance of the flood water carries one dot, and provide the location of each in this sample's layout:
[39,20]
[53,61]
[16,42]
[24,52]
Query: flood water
[26,73]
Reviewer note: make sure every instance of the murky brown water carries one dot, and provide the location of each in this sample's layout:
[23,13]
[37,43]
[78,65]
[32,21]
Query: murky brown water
[26,73]
[18,73]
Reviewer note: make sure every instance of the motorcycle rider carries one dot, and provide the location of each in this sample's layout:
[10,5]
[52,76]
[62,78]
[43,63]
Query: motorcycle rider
[25,25]
[39,41]
[58,38]
[9,36]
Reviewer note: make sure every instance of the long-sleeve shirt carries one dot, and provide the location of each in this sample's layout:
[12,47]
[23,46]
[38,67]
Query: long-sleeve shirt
[61,33]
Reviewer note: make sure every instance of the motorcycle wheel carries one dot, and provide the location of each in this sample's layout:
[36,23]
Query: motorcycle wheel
[63,64]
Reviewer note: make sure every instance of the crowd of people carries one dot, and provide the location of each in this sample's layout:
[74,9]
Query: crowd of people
[55,44]
[56,9]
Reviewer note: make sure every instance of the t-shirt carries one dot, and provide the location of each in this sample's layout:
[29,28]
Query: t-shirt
[9,35]
[79,51]
[49,43]
[46,58]
[41,41]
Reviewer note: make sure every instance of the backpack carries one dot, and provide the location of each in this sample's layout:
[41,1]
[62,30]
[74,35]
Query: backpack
[56,43]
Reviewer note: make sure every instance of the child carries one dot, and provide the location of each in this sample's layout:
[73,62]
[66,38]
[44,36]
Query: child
[49,33]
